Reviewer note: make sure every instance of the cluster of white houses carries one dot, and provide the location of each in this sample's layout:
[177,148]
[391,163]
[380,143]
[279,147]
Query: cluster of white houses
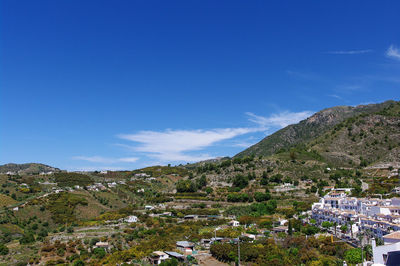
[379,216]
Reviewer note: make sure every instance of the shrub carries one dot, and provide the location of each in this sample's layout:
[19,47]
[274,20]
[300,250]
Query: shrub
[240,181]
[27,238]
[99,253]
[237,197]
[276,178]
[72,179]
[79,263]
[169,262]
[353,255]
[185,186]
[3,249]
[259,197]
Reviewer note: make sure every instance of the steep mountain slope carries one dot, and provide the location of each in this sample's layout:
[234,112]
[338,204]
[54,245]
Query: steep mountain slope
[364,140]
[310,128]
[27,168]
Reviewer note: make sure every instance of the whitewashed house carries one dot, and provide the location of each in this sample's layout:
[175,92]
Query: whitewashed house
[131,219]
[234,223]
[157,257]
[381,253]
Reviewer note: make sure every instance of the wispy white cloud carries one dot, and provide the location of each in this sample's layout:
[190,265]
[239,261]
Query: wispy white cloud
[335,96]
[244,144]
[100,159]
[174,145]
[350,52]
[282,119]
[393,52]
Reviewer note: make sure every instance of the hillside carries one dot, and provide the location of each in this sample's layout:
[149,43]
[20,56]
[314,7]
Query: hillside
[27,168]
[309,129]
[337,147]
[363,140]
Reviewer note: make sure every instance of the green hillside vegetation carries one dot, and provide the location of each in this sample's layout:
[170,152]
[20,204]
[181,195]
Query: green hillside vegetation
[27,168]
[362,140]
[10,229]
[308,129]
[72,179]
[157,171]
[62,206]
[6,200]
[335,147]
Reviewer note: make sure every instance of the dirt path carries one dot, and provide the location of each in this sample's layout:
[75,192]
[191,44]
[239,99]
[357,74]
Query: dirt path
[207,259]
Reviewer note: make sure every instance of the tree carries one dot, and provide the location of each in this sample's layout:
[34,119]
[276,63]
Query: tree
[351,228]
[79,263]
[185,186]
[292,155]
[353,256]
[290,228]
[169,262]
[35,226]
[326,224]
[264,180]
[209,190]
[310,230]
[240,181]
[259,196]
[344,228]
[276,178]
[3,249]
[99,253]
[27,238]
[202,181]
[43,233]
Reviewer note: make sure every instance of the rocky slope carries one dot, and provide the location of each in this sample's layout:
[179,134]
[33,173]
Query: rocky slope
[310,128]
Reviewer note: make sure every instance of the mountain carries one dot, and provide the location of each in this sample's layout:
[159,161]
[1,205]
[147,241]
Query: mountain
[310,128]
[27,168]
[364,140]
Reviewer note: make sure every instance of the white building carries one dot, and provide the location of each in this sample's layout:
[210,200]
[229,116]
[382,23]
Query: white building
[104,245]
[391,238]
[142,175]
[157,257]
[381,253]
[380,216]
[234,223]
[131,219]
[112,184]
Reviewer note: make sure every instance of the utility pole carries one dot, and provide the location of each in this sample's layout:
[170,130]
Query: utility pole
[361,243]
[238,251]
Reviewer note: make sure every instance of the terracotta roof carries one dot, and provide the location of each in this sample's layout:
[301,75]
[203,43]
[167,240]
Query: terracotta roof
[394,235]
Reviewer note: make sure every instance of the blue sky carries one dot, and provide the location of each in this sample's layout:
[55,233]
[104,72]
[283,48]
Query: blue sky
[126,84]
